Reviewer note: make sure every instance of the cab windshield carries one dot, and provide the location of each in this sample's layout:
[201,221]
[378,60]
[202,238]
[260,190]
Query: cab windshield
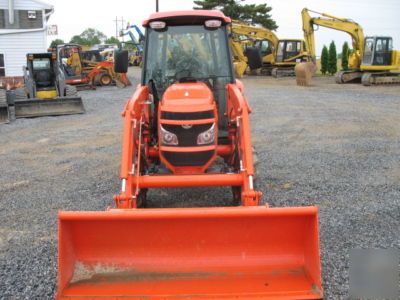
[41,63]
[184,54]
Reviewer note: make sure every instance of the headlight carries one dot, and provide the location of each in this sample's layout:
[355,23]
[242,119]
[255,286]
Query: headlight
[206,137]
[168,138]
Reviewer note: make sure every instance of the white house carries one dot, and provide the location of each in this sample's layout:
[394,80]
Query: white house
[23,29]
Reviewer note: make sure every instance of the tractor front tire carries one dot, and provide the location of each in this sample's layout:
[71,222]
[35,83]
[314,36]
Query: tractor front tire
[105,79]
[70,90]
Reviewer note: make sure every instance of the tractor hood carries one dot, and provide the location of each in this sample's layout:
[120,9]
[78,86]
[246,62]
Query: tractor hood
[188,97]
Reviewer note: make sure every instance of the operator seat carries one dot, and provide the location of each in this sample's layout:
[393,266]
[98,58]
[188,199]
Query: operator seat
[43,78]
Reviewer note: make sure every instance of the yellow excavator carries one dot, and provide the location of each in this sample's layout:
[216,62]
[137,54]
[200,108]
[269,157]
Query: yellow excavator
[371,62]
[242,39]
[279,56]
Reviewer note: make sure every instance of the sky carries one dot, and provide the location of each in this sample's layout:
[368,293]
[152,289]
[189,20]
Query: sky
[376,17]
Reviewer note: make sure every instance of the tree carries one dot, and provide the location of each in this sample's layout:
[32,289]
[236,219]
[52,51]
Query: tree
[248,13]
[55,43]
[77,39]
[89,37]
[324,60]
[332,59]
[112,40]
[345,56]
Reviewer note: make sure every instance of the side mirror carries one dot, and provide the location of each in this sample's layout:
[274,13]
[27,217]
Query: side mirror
[121,59]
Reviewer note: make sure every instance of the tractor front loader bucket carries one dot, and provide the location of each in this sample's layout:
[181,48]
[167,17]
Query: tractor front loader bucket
[190,253]
[38,107]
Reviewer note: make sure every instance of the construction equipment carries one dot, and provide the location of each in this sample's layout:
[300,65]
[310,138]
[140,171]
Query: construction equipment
[188,110]
[242,39]
[372,59]
[87,73]
[279,56]
[288,54]
[43,92]
[135,54]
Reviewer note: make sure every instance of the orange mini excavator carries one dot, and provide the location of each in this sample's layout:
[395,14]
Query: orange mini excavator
[188,111]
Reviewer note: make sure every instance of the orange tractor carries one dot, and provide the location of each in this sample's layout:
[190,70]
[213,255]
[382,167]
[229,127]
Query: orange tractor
[188,111]
[86,73]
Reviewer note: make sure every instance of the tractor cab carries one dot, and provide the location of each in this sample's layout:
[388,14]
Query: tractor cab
[184,56]
[377,51]
[288,50]
[187,69]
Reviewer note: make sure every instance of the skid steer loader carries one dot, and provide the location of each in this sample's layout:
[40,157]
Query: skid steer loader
[45,93]
[188,110]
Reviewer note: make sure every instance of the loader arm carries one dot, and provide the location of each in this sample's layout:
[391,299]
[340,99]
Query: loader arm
[336,23]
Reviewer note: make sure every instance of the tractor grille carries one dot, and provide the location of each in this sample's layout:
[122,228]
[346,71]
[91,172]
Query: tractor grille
[187,137]
[181,159]
[199,115]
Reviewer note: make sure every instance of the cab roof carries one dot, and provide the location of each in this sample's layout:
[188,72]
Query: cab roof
[191,15]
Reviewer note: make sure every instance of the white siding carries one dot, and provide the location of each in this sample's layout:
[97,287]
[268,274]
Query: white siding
[16,46]
[25,4]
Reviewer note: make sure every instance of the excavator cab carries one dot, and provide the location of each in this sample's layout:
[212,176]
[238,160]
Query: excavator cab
[188,111]
[289,51]
[378,51]
[266,47]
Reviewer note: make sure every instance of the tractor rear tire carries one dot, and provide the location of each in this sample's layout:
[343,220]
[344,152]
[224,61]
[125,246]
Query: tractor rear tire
[254,57]
[121,61]
[70,90]
[105,79]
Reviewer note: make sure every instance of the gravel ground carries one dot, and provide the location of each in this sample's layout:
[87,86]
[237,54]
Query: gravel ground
[330,145]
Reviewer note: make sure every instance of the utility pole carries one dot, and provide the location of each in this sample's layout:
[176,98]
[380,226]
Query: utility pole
[122,21]
[156,5]
[116,27]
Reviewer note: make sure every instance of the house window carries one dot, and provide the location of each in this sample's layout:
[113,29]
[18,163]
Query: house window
[2,66]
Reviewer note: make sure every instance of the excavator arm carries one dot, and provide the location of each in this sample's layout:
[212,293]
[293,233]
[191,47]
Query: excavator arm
[336,23]
[253,33]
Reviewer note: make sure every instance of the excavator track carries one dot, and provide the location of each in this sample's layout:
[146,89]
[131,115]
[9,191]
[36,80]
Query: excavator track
[369,78]
[283,72]
[349,76]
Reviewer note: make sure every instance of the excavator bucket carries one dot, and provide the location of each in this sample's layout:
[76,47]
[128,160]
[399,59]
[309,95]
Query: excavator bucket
[304,72]
[39,107]
[190,253]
